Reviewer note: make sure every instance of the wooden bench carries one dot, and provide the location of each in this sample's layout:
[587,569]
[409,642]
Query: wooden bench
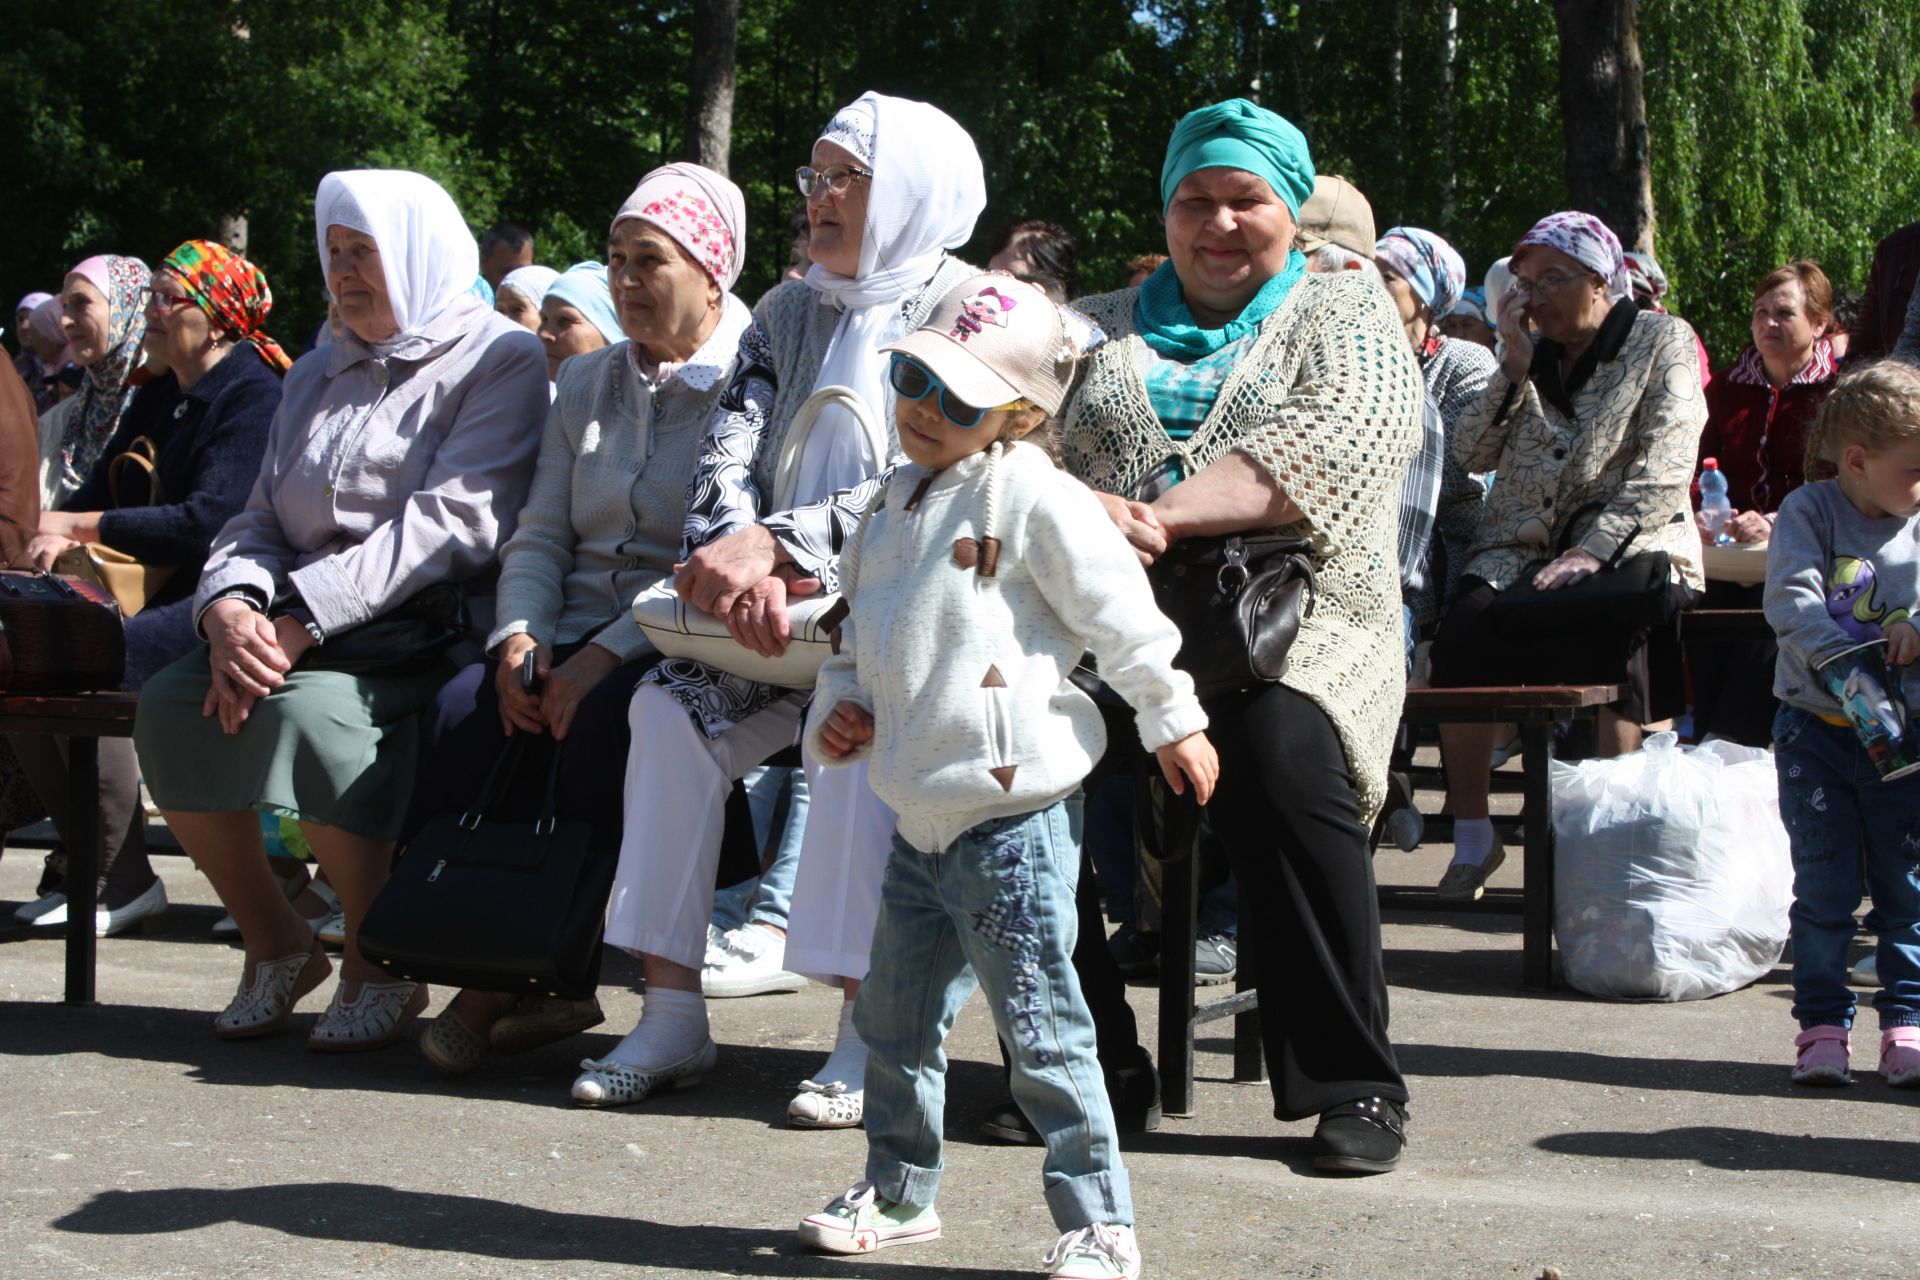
[83,718]
[1536,709]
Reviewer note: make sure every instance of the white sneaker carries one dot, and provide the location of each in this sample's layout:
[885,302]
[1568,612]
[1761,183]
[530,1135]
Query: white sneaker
[1100,1251]
[748,963]
[107,923]
[332,931]
[1866,973]
[861,1221]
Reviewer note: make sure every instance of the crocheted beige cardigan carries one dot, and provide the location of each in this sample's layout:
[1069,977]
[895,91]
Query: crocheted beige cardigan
[1327,399]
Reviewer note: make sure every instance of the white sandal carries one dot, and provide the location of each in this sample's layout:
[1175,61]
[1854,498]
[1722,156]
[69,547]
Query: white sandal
[373,1019]
[607,1083]
[827,1106]
[266,998]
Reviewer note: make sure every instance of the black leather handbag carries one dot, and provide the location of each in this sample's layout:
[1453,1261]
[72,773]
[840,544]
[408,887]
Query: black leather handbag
[408,638]
[1239,601]
[497,906]
[1627,594]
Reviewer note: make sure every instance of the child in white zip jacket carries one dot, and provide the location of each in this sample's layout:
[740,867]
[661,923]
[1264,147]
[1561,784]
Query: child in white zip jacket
[977,581]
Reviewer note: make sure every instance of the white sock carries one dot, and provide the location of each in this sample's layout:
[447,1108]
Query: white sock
[847,1064]
[1472,841]
[672,1027]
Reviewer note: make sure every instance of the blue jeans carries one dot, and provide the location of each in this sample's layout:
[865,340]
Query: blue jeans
[1839,814]
[768,898]
[994,909]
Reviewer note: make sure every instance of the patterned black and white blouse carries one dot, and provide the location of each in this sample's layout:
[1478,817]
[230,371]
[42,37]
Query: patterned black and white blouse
[731,481]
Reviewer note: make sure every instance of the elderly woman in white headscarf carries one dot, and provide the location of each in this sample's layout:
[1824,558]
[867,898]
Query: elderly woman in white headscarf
[893,187]
[398,460]
[602,525]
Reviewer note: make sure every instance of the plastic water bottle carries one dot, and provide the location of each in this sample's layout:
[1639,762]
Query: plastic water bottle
[1714,507]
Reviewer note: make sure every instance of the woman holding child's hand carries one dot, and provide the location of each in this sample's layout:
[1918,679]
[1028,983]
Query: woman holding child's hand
[1232,392]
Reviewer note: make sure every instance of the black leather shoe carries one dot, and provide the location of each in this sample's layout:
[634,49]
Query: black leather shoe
[1133,1091]
[1362,1136]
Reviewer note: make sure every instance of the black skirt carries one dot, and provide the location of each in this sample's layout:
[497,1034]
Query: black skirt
[1646,661]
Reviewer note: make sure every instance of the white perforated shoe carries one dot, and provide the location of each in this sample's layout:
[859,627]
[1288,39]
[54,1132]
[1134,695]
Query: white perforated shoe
[267,995]
[608,1083]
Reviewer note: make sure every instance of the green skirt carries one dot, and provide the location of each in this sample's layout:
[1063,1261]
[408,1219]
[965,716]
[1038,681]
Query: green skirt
[325,747]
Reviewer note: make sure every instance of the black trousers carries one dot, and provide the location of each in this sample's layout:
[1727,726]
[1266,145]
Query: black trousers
[1733,681]
[1290,817]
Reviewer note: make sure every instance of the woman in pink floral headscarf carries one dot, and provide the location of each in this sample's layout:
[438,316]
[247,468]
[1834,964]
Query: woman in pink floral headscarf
[1592,428]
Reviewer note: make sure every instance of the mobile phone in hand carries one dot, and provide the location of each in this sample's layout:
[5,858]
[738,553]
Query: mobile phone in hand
[530,672]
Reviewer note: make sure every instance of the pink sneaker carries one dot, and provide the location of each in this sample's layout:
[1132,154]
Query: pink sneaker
[1823,1056]
[1900,1057]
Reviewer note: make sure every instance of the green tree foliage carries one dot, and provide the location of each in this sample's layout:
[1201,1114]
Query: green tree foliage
[1778,125]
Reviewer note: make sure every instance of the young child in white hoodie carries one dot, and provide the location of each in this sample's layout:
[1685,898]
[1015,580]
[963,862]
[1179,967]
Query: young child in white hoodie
[977,581]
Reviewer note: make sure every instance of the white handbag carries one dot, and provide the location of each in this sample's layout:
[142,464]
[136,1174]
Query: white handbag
[678,630]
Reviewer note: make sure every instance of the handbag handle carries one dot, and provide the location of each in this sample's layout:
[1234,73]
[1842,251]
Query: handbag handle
[142,454]
[508,762]
[1565,542]
[786,475]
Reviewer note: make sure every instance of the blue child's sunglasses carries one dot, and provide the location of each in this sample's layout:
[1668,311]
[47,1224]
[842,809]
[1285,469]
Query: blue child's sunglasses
[915,381]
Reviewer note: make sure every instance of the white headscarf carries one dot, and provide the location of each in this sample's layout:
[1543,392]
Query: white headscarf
[530,283]
[928,189]
[426,252]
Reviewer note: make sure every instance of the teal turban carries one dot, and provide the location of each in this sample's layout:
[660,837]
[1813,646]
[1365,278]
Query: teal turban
[1237,134]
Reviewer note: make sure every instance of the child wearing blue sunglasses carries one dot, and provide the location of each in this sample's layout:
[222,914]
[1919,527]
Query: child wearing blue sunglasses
[977,581]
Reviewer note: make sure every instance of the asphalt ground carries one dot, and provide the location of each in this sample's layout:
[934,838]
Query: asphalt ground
[1548,1131]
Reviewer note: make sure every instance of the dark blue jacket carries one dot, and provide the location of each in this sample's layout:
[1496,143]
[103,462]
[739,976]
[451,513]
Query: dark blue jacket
[210,439]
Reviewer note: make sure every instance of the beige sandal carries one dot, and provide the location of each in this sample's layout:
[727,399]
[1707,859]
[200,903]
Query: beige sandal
[453,1047]
[373,1019]
[532,1021]
[266,998]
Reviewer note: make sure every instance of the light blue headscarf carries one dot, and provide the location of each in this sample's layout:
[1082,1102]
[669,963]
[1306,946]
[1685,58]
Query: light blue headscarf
[583,286]
[1237,134]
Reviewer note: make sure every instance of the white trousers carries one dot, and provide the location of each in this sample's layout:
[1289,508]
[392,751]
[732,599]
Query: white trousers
[843,857]
[674,814]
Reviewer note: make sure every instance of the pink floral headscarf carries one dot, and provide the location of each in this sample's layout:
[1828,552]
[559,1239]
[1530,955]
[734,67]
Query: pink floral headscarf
[1585,239]
[704,213]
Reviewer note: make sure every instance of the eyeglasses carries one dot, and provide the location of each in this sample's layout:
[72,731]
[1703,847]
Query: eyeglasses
[1551,282]
[836,178]
[916,382]
[155,300]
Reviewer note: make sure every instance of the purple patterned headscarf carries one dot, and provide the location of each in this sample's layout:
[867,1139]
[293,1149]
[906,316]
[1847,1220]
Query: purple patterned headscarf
[1428,263]
[1586,240]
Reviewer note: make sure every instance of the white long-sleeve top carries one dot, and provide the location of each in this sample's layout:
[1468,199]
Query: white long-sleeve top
[966,674]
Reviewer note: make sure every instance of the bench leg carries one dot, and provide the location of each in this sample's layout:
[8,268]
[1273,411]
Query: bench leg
[1179,922]
[1249,1058]
[83,863]
[1536,967]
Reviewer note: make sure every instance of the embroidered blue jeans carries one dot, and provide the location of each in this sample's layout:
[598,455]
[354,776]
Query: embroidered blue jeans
[1842,819]
[995,910]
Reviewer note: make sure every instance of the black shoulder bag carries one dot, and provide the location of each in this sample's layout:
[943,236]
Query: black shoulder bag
[497,906]
[1239,601]
[1626,594]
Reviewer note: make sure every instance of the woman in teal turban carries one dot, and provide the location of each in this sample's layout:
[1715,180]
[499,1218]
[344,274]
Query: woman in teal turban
[1237,393]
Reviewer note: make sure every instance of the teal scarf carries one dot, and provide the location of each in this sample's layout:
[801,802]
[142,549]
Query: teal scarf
[1160,312]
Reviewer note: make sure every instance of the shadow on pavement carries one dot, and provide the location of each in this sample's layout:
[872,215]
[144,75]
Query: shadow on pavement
[366,1213]
[1748,1151]
[1686,1075]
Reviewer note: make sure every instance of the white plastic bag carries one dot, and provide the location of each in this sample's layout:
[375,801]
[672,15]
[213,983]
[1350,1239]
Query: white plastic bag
[1672,877]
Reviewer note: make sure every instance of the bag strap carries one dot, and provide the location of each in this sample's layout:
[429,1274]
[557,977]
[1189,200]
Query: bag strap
[142,454]
[545,824]
[1565,541]
[504,767]
[786,474]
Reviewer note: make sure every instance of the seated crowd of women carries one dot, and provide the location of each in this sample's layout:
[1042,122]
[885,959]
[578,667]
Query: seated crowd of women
[602,430]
